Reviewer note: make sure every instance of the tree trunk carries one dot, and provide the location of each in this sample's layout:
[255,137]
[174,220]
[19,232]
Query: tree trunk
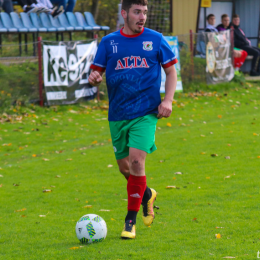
[94,8]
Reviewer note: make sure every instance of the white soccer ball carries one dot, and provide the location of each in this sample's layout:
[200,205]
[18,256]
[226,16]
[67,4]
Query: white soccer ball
[91,228]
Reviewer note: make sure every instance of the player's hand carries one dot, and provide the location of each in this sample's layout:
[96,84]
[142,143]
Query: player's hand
[165,109]
[95,78]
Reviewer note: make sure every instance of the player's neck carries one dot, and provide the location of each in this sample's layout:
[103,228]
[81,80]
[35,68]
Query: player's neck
[127,31]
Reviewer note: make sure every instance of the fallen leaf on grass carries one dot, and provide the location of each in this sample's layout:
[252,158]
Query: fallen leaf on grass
[46,191]
[172,187]
[203,153]
[34,155]
[87,206]
[219,227]
[45,159]
[20,210]
[15,184]
[74,247]
[156,207]
[1,185]
[113,219]
[125,199]
[69,159]
[110,165]
[214,155]
[23,216]
[42,216]
[104,210]
[255,134]
[227,157]
[219,116]
[258,156]
[169,124]
[1,175]
[57,176]
[229,257]
[229,144]
[218,236]
[94,142]
[178,173]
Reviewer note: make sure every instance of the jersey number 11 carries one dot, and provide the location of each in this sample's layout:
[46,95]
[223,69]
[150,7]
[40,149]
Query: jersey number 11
[114,49]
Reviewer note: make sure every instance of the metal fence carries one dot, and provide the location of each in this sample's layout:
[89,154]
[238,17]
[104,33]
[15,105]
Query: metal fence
[159,16]
[192,50]
[19,77]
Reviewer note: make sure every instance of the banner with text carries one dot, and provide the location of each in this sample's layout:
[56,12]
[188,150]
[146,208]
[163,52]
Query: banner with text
[173,42]
[219,66]
[66,67]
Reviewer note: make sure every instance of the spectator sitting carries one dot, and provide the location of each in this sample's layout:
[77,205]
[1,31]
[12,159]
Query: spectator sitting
[211,22]
[39,6]
[225,23]
[239,55]
[68,5]
[7,6]
[243,43]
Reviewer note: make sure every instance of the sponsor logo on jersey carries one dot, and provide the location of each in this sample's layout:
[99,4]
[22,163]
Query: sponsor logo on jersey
[147,46]
[112,42]
[131,62]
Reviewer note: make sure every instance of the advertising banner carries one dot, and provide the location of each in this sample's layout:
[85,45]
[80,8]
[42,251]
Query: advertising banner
[66,67]
[218,57]
[173,42]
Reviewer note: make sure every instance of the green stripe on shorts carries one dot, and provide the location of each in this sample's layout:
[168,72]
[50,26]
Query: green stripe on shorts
[137,133]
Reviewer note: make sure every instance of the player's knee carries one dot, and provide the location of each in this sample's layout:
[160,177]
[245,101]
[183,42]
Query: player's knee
[136,166]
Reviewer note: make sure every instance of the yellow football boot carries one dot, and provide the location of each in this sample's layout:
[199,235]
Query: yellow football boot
[148,213]
[129,230]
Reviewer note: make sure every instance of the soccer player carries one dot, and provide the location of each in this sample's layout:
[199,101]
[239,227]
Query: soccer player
[132,58]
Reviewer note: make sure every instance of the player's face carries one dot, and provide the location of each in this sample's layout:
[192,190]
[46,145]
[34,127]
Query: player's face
[236,21]
[136,18]
[226,21]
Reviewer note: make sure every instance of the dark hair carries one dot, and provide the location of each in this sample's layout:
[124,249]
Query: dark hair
[209,16]
[223,16]
[126,4]
[235,16]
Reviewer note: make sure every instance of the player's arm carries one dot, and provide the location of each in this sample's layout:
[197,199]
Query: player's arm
[95,78]
[165,108]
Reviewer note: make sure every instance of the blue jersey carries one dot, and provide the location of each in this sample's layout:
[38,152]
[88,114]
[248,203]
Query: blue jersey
[133,71]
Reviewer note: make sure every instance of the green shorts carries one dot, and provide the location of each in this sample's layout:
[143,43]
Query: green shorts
[137,133]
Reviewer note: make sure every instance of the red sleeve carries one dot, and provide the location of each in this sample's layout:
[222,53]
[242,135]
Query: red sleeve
[94,67]
[169,64]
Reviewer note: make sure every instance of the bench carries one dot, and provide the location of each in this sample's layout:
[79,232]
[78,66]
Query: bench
[24,24]
[246,67]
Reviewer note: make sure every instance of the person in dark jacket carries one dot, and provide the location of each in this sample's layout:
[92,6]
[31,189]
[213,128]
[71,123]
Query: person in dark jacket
[243,43]
[225,23]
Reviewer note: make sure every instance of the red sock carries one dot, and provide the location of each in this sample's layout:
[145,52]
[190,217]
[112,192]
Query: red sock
[136,186]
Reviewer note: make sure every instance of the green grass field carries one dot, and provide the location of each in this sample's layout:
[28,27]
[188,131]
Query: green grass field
[212,139]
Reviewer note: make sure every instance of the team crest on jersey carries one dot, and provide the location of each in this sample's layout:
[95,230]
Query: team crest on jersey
[147,46]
